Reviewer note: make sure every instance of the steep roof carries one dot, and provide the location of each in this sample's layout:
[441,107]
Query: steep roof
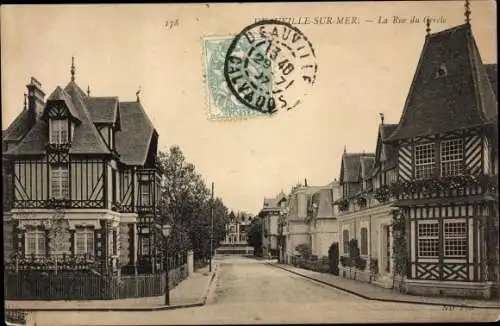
[60,95]
[351,165]
[134,138]
[450,88]
[86,139]
[103,109]
[385,152]
[366,166]
[491,72]
[18,128]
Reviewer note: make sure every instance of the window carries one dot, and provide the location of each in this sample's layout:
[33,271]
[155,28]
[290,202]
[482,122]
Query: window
[84,242]
[345,241]
[144,248]
[145,194]
[364,241]
[60,182]
[36,243]
[452,156]
[59,131]
[428,239]
[425,161]
[455,239]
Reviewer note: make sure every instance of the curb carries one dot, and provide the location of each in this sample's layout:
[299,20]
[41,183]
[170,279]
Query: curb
[209,286]
[382,299]
[156,308]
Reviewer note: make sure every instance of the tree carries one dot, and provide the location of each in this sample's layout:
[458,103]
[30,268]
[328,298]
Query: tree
[187,205]
[254,236]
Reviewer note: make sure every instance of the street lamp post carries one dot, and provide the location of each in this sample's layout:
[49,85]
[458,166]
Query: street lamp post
[165,230]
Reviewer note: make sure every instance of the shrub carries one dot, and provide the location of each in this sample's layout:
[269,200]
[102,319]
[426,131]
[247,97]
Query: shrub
[359,263]
[345,261]
[304,250]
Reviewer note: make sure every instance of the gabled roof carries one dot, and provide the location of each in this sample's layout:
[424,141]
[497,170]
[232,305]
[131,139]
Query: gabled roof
[134,138]
[103,109]
[18,128]
[351,166]
[60,95]
[366,166]
[385,152]
[86,139]
[450,88]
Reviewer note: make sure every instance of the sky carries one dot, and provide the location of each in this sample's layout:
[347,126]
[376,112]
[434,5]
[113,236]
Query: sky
[363,69]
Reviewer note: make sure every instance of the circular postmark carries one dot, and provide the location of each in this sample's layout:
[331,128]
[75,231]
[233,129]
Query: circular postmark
[269,66]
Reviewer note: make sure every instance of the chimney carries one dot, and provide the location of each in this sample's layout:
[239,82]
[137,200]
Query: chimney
[36,98]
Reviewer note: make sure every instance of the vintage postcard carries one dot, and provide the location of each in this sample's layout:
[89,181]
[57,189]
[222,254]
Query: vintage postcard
[250,163]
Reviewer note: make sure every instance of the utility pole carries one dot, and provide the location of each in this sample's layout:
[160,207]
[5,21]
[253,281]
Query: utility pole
[211,227]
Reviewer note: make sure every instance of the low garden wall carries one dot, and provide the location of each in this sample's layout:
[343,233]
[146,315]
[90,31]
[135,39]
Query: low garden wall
[86,286]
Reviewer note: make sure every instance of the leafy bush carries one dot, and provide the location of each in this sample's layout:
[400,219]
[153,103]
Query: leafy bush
[304,250]
[345,261]
[359,263]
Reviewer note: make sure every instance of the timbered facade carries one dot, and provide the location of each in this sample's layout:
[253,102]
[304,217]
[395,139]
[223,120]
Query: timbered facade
[447,166]
[91,161]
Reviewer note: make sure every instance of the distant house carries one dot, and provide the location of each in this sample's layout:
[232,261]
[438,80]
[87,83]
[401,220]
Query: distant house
[89,164]
[447,145]
[365,207]
[270,216]
[322,221]
[296,229]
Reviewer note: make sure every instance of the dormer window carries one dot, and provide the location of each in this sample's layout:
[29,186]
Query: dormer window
[59,133]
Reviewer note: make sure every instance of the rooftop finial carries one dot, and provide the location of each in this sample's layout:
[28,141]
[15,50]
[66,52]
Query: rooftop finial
[25,101]
[72,68]
[137,94]
[428,24]
[345,149]
[467,12]
[88,90]
[382,117]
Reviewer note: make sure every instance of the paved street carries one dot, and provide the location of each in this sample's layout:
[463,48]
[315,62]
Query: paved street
[251,291]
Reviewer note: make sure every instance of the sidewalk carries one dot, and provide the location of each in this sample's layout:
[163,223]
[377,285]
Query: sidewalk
[189,293]
[373,292]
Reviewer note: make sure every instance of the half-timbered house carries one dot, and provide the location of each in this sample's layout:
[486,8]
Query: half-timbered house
[447,165]
[89,164]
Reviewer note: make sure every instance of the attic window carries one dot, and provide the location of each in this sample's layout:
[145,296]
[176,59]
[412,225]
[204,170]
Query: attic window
[442,71]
